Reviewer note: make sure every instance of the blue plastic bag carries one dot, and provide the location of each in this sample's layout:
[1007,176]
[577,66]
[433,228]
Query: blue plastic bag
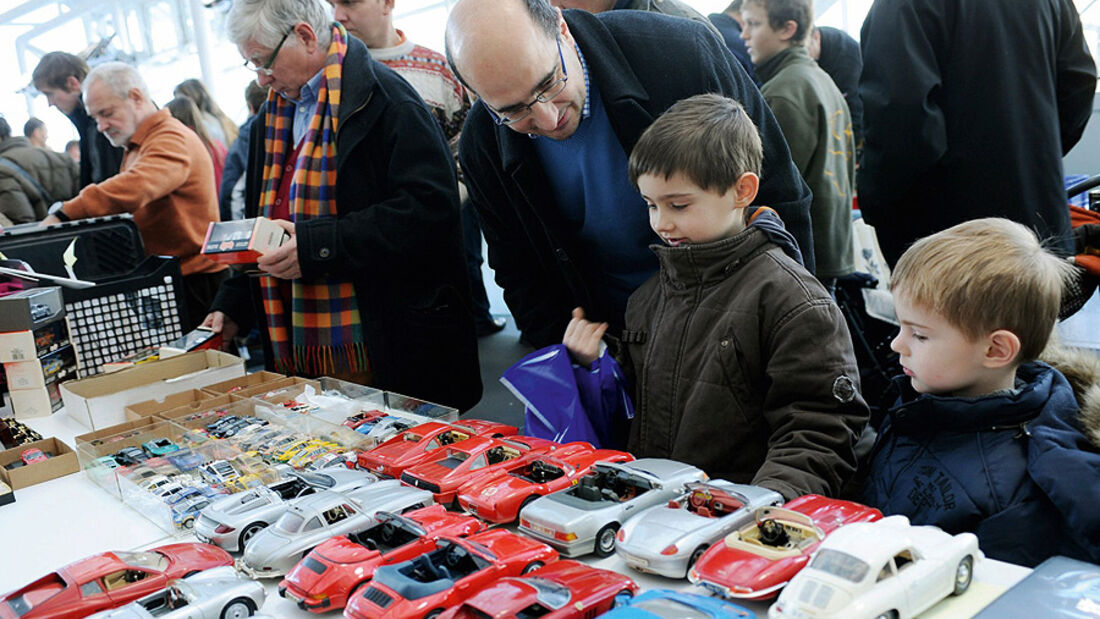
[566,402]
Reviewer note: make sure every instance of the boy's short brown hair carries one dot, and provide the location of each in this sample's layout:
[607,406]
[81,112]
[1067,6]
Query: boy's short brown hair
[780,12]
[708,138]
[55,69]
[984,275]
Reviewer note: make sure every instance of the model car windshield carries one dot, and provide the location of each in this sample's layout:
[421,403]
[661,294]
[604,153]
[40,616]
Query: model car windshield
[145,560]
[548,593]
[663,607]
[409,436]
[454,458]
[317,479]
[290,522]
[840,564]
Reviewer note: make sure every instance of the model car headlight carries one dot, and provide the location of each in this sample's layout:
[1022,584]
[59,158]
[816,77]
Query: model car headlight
[671,549]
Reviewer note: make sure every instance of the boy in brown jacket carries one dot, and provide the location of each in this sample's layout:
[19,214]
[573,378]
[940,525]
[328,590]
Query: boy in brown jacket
[742,364]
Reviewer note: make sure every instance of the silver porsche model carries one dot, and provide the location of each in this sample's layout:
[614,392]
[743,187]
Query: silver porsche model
[314,519]
[231,521]
[667,539]
[219,593]
[585,517]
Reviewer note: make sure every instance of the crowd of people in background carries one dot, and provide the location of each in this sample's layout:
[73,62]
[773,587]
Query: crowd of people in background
[676,186]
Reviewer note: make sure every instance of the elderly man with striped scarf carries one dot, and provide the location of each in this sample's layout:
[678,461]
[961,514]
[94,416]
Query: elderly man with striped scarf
[348,159]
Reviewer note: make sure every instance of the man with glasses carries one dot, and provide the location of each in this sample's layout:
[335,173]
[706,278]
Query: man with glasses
[370,286]
[563,99]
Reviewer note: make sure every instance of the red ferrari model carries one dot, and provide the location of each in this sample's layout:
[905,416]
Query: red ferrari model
[474,457]
[501,497]
[562,590]
[354,421]
[107,580]
[756,561]
[445,577]
[421,443]
[325,578]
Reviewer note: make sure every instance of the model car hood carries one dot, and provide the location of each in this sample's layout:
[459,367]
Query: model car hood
[549,512]
[243,503]
[343,550]
[665,523]
[736,568]
[194,555]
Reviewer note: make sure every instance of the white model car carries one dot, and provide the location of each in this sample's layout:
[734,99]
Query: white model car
[314,519]
[219,593]
[883,569]
[586,517]
[667,539]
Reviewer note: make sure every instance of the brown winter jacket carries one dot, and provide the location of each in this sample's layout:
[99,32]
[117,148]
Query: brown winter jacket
[745,368]
[20,200]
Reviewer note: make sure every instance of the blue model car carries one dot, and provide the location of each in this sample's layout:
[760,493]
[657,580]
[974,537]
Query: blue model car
[159,447]
[185,459]
[664,603]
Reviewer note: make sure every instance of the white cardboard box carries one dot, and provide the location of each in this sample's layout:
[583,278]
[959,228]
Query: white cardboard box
[17,346]
[30,403]
[25,375]
[100,401]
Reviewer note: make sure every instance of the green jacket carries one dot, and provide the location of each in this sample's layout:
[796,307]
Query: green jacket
[818,127]
[20,200]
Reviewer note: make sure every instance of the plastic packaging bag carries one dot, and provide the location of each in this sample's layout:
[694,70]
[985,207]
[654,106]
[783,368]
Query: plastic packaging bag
[566,402]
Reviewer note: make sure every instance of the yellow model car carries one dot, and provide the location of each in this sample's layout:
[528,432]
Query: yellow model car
[307,456]
[289,451]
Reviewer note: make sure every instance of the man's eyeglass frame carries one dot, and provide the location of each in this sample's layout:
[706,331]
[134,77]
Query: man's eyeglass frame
[544,96]
[266,69]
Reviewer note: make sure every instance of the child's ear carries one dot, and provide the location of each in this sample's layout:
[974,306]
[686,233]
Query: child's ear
[745,189]
[1003,349]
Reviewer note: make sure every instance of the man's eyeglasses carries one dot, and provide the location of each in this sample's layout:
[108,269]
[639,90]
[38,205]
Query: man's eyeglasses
[545,96]
[266,68]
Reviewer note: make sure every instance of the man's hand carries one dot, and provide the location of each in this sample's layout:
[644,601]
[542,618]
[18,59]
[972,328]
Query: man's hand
[218,322]
[582,338]
[283,262]
[50,220]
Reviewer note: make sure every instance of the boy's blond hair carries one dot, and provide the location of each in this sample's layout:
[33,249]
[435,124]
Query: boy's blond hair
[984,275]
[708,138]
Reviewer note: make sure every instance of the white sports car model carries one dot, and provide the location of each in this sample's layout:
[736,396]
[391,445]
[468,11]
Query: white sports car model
[314,519]
[883,569]
[667,539]
[219,593]
[585,517]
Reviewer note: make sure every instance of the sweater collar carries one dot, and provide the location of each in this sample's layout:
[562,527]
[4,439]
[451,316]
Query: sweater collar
[794,54]
[404,47]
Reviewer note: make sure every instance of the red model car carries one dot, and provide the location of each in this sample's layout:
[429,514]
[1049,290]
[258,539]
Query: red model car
[445,577]
[106,580]
[32,455]
[421,443]
[561,590]
[501,497]
[325,578]
[756,561]
[472,458]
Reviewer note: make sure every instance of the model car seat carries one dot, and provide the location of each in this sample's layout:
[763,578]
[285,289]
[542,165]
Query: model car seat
[587,490]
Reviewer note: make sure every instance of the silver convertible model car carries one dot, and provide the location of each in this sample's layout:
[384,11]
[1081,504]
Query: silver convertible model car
[219,593]
[314,519]
[886,568]
[667,539]
[231,521]
[585,517]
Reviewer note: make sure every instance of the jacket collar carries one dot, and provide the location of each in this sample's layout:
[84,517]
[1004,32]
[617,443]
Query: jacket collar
[13,143]
[924,413]
[795,54]
[689,266]
[153,121]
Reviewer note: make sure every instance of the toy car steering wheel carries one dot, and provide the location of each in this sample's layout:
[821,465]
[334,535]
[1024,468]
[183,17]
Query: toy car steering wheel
[387,531]
[453,556]
[772,533]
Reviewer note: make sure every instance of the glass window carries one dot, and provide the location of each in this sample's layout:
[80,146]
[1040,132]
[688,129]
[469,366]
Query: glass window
[145,560]
[313,524]
[478,462]
[90,588]
[840,564]
[290,522]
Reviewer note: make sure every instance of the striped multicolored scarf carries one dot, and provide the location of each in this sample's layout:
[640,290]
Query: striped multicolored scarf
[322,333]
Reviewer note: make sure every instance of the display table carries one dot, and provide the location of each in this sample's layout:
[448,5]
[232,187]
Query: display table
[62,520]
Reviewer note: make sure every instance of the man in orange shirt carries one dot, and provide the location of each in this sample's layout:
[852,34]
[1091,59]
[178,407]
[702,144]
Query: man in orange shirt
[166,181]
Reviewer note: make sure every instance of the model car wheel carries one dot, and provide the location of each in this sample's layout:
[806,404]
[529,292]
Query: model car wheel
[605,540]
[238,609]
[189,524]
[963,573]
[695,557]
[191,573]
[435,613]
[532,566]
[248,533]
[529,500]
[622,598]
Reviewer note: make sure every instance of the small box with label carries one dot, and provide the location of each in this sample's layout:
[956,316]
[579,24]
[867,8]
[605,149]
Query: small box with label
[242,241]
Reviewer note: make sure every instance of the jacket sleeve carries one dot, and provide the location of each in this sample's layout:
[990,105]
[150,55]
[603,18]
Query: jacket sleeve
[1076,77]
[234,299]
[904,125]
[417,205]
[781,186]
[14,203]
[812,403]
[161,166]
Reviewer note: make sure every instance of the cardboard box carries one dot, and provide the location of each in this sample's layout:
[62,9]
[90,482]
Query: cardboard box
[100,401]
[62,462]
[151,408]
[25,375]
[275,385]
[31,403]
[247,381]
[242,241]
[98,437]
[17,346]
[26,309]
[203,408]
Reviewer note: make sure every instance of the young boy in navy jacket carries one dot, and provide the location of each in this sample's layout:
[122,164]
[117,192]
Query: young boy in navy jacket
[984,438]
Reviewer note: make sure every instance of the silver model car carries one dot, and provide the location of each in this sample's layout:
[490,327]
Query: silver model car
[585,517]
[667,539]
[312,520]
[231,521]
[219,593]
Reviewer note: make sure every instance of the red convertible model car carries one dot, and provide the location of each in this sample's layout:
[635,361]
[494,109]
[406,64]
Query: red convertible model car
[421,443]
[106,580]
[474,457]
[500,498]
[561,590]
[325,578]
[756,561]
[445,577]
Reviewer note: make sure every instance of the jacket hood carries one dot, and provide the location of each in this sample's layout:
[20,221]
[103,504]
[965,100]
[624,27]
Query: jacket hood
[14,142]
[1082,369]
